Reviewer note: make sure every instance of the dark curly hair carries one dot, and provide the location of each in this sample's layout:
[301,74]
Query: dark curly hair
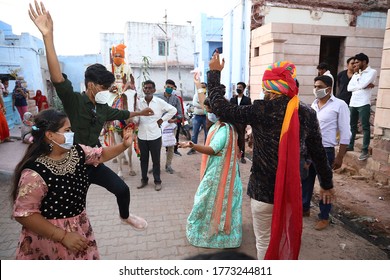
[98,74]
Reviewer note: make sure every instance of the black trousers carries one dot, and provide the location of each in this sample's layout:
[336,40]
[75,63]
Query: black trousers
[154,148]
[241,138]
[103,176]
[177,135]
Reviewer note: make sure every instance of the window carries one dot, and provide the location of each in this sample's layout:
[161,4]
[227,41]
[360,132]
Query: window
[161,48]
[257,51]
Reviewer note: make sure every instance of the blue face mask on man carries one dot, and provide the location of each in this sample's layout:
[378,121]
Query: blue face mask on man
[169,90]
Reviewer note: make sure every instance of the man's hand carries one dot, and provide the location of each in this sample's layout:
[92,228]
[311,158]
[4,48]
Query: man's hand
[371,85]
[159,122]
[327,195]
[41,18]
[127,136]
[215,63]
[146,112]
[337,163]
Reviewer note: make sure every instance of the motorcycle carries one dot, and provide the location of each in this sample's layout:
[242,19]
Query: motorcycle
[186,127]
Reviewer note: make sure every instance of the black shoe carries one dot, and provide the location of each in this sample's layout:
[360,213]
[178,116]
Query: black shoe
[243,160]
[143,185]
[191,152]
[177,153]
[169,169]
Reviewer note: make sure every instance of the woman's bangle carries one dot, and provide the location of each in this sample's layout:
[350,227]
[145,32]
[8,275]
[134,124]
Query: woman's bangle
[63,237]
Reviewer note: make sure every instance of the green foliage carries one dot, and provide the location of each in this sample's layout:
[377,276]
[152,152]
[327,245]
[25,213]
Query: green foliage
[146,60]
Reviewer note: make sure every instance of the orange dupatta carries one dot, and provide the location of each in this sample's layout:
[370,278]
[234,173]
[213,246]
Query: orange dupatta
[229,154]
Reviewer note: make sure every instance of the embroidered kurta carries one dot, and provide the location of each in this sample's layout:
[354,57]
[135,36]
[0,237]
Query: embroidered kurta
[57,190]
[208,226]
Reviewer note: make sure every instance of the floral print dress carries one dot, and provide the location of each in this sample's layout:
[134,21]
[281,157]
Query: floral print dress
[57,190]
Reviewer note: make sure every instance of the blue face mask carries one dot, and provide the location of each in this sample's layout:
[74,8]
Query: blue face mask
[169,90]
[68,140]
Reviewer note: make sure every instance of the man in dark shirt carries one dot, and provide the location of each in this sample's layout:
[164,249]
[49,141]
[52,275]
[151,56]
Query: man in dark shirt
[86,115]
[343,79]
[240,99]
[266,118]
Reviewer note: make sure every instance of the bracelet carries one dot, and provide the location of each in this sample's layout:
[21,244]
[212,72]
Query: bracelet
[52,234]
[201,90]
[63,237]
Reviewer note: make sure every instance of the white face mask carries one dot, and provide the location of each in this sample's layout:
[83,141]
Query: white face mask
[102,97]
[212,117]
[321,93]
[68,140]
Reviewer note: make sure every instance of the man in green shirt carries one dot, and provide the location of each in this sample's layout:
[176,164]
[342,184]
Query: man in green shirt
[87,115]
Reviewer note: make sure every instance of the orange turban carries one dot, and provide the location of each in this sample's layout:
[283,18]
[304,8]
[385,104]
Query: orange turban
[119,49]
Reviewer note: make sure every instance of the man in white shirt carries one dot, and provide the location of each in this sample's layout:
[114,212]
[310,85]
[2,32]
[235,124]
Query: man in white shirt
[324,69]
[333,117]
[149,132]
[199,119]
[361,85]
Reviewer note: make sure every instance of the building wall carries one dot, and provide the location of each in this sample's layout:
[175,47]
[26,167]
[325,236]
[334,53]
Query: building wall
[381,142]
[142,40]
[208,33]
[21,53]
[236,47]
[300,43]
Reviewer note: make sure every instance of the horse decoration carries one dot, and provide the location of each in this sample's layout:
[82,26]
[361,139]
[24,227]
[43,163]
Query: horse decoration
[114,130]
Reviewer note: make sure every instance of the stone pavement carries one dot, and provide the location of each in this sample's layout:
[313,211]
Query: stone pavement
[166,212]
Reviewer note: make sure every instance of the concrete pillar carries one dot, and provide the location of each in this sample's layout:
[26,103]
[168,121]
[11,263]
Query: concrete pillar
[381,143]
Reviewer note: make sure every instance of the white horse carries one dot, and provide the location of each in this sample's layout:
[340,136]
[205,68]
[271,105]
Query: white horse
[114,130]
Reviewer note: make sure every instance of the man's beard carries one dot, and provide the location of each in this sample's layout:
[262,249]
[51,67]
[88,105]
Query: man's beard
[267,97]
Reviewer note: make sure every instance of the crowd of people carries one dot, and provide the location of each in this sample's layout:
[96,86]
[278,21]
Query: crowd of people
[292,144]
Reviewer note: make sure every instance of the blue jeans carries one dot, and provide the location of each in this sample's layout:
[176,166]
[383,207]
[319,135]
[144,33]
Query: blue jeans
[308,187]
[197,121]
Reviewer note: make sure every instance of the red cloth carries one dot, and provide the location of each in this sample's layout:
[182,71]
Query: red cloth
[286,227]
[40,101]
[4,130]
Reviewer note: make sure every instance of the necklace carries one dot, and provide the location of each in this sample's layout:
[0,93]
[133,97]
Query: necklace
[61,166]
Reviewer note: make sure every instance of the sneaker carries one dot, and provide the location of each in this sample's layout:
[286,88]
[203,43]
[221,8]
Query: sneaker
[321,224]
[363,156]
[177,153]
[349,149]
[169,169]
[143,185]
[191,152]
[243,160]
[157,186]
[136,222]
[306,213]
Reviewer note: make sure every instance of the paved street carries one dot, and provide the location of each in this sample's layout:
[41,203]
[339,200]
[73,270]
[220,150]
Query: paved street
[166,212]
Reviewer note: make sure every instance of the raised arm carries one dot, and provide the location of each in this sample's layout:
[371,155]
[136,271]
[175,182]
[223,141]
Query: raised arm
[44,22]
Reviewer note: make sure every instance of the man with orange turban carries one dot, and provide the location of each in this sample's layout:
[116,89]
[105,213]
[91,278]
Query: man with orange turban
[123,74]
[283,130]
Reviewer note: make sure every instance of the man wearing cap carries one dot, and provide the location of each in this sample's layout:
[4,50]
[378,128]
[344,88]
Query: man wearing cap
[361,85]
[283,130]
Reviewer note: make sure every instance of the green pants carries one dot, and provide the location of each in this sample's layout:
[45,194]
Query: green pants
[362,113]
